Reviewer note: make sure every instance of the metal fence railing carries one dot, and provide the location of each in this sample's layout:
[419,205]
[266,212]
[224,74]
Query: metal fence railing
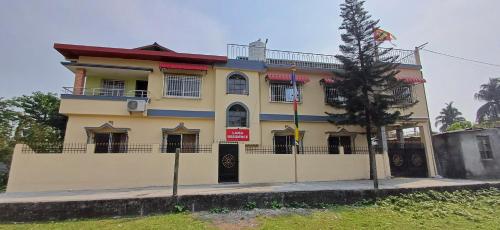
[54,147]
[123,147]
[310,60]
[186,148]
[105,92]
[268,149]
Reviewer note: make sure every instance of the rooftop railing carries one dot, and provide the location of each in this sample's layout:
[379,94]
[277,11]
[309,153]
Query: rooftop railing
[105,92]
[307,60]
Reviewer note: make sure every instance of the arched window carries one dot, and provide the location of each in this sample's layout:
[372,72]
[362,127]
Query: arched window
[237,116]
[237,84]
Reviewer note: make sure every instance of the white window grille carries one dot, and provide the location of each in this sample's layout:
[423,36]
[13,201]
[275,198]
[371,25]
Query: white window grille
[279,92]
[332,95]
[182,86]
[112,88]
[404,94]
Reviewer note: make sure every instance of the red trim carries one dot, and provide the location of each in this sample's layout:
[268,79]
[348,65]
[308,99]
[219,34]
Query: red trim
[327,81]
[411,80]
[75,51]
[286,78]
[184,66]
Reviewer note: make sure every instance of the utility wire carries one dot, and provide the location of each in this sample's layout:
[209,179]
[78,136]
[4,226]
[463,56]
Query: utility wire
[461,58]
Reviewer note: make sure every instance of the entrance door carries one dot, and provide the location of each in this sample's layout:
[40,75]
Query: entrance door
[228,163]
[141,88]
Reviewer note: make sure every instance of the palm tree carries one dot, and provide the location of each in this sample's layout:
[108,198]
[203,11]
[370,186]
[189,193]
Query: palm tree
[490,93]
[448,116]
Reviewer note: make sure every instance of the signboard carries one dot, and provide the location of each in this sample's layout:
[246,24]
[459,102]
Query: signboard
[237,135]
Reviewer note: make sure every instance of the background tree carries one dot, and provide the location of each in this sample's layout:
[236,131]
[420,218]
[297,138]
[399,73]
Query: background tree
[368,80]
[29,119]
[490,93]
[448,116]
[7,121]
[460,125]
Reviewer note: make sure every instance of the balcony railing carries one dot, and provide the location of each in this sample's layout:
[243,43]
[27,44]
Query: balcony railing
[105,92]
[307,60]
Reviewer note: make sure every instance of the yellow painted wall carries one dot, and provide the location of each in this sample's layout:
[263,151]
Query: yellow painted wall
[156,84]
[316,133]
[71,171]
[223,100]
[31,172]
[142,129]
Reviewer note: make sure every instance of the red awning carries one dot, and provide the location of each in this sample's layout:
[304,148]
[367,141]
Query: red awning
[327,81]
[286,78]
[183,66]
[411,80]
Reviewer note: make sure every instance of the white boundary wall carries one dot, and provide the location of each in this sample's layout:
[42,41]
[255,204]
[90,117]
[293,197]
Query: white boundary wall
[32,172]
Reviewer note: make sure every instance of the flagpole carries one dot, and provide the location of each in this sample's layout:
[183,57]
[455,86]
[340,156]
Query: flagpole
[296,119]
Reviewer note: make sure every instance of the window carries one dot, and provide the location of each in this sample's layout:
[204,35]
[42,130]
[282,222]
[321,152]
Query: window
[283,144]
[111,88]
[237,116]
[110,142]
[187,143]
[280,92]
[182,86]
[483,143]
[237,84]
[332,95]
[335,141]
[404,94]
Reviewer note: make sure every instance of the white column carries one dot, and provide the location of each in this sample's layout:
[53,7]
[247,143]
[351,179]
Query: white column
[426,138]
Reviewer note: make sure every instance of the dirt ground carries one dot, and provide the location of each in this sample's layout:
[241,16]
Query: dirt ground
[244,219]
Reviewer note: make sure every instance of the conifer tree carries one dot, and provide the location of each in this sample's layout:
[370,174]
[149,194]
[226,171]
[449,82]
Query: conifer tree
[367,82]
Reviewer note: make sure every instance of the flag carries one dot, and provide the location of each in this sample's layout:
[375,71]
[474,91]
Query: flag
[295,99]
[381,35]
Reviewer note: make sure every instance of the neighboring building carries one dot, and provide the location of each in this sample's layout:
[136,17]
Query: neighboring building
[237,107]
[473,153]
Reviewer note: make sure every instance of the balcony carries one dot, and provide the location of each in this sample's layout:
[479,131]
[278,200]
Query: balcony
[105,92]
[306,60]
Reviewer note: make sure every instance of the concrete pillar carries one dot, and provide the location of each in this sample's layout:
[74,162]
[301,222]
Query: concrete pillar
[90,148]
[400,136]
[385,151]
[417,56]
[79,84]
[426,138]
[341,150]
[156,148]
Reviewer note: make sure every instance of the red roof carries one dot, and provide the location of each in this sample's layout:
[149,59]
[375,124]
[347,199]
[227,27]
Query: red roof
[411,80]
[75,51]
[286,77]
[184,66]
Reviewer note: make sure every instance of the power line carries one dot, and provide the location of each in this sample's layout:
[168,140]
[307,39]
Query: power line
[461,58]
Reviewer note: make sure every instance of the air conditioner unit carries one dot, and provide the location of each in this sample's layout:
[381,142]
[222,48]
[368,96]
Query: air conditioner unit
[136,105]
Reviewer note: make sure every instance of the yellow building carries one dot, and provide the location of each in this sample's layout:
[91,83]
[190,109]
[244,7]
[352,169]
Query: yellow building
[231,116]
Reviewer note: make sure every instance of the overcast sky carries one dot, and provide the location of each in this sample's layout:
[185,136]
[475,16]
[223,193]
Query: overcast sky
[465,28]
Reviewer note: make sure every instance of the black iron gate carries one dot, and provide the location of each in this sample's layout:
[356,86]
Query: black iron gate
[228,163]
[407,160]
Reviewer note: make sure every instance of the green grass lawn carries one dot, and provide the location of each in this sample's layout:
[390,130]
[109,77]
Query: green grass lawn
[430,210]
